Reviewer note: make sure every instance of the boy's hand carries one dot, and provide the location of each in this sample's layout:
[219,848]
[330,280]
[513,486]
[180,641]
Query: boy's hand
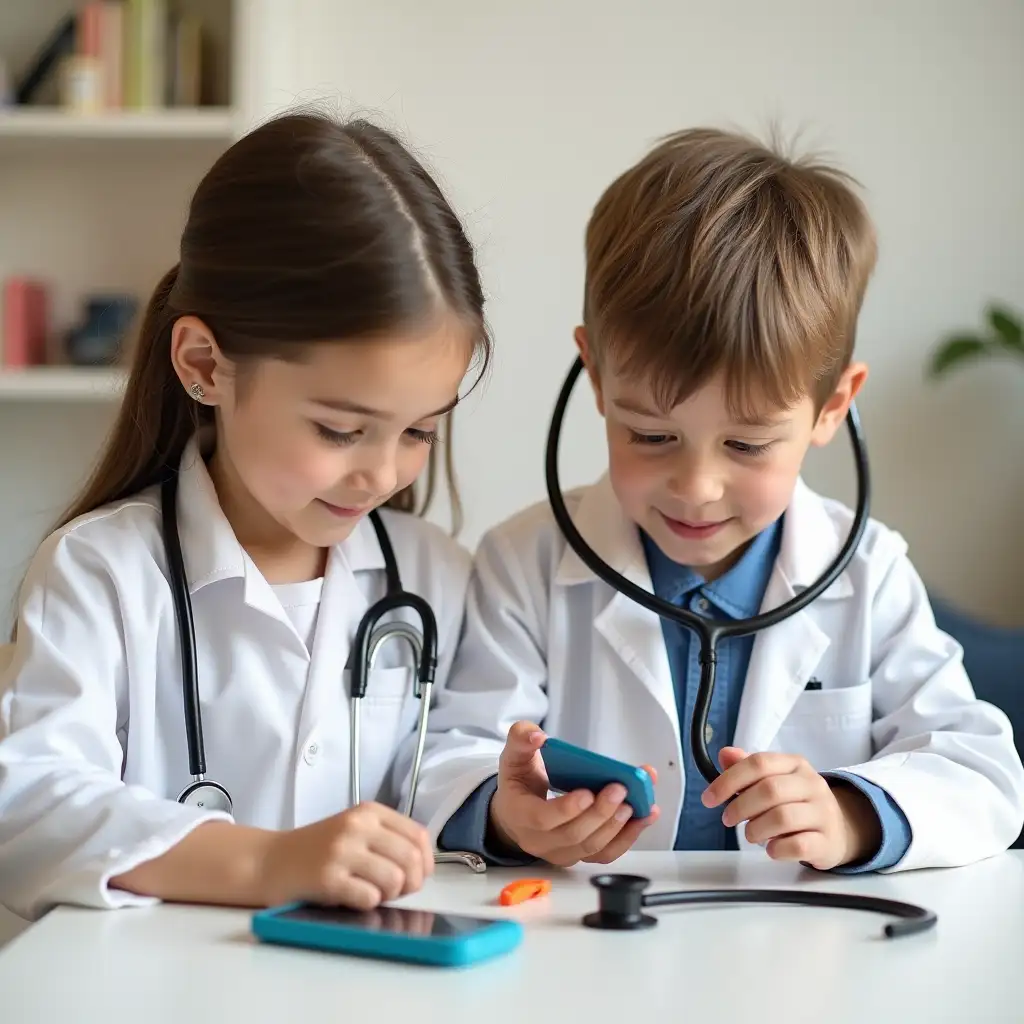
[791,808]
[564,830]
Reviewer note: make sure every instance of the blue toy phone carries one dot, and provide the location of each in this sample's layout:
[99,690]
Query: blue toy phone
[570,767]
[389,933]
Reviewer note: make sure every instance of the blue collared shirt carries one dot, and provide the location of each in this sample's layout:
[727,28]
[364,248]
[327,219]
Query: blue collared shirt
[736,594]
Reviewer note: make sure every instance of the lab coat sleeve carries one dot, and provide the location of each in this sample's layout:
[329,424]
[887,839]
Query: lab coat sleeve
[68,823]
[499,677]
[468,829]
[946,758]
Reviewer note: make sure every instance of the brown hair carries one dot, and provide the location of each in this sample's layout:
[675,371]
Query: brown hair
[304,229]
[717,254]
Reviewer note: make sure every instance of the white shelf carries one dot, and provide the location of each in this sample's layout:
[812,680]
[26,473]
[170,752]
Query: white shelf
[61,384]
[55,123]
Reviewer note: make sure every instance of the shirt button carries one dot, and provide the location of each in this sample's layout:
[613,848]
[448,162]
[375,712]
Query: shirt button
[709,734]
[312,754]
[702,604]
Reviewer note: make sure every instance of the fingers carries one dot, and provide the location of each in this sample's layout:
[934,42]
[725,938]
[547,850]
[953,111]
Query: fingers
[764,795]
[410,830]
[523,742]
[744,773]
[785,820]
[728,756]
[405,855]
[353,891]
[597,826]
[556,829]
[806,847]
[522,817]
[539,814]
[387,875]
[625,839]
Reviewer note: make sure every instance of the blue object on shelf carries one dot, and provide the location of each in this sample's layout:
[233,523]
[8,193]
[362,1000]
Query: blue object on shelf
[994,658]
[98,339]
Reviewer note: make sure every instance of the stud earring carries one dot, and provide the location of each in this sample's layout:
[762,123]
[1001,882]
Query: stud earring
[197,391]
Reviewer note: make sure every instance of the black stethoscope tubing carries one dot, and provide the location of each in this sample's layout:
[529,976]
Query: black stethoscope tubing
[395,598]
[709,631]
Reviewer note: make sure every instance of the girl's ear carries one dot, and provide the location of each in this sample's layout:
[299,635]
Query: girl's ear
[583,344]
[198,360]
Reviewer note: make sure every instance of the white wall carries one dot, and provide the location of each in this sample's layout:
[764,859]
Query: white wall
[528,110]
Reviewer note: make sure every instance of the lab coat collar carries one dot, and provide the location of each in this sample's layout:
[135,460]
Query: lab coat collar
[210,549]
[614,538]
[208,544]
[809,543]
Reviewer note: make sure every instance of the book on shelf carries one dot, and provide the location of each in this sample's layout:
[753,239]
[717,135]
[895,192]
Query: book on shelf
[120,55]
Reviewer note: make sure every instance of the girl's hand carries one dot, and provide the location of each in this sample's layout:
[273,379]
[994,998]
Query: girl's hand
[358,858]
[793,811]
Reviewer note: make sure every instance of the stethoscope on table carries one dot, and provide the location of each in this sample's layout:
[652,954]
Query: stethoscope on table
[621,898]
[370,637]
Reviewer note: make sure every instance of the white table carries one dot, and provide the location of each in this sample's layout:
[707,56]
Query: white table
[727,964]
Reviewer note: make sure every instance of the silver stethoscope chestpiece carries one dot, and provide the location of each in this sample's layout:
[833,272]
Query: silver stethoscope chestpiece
[473,861]
[209,796]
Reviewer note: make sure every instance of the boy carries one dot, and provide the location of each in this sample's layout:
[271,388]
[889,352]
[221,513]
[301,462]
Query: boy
[723,287]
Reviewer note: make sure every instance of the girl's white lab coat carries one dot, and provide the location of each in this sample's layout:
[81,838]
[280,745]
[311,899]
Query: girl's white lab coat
[92,734]
[547,641]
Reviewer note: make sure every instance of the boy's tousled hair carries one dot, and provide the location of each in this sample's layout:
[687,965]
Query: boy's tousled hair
[716,254]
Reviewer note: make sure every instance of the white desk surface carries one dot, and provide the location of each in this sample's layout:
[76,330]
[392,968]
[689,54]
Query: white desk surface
[739,963]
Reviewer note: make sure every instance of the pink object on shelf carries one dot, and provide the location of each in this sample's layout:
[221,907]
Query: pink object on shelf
[25,323]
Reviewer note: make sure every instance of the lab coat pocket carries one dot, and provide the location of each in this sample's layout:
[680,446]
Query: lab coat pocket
[830,727]
[388,685]
[384,708]
[387,713]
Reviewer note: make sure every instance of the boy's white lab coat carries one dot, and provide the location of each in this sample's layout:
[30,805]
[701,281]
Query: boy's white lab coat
[547,641]
[92,730]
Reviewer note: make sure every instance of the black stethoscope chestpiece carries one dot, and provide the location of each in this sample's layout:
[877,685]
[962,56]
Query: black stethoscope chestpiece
[620,903]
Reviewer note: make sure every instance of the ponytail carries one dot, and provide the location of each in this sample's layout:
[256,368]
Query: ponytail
[155,421]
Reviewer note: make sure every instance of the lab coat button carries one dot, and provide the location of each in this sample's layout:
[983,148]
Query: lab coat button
[312,754]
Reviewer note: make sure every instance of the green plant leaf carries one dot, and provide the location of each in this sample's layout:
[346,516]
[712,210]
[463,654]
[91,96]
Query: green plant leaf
[1007,326]
[957,350]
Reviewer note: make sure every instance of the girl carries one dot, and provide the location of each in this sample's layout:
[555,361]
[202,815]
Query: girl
[293,371]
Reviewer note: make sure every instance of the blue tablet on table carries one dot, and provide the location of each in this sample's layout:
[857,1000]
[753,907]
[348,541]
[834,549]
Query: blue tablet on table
[389,933]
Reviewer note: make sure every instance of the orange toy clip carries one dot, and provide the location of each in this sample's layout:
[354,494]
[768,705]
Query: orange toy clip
[523,890]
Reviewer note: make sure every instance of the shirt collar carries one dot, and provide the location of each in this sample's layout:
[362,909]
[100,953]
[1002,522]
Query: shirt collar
[738,592]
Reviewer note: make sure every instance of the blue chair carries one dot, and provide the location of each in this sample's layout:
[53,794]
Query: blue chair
[994,659]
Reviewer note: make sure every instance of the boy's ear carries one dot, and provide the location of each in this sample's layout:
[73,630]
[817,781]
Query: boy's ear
[833,412]
[583,344]
[197,359]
